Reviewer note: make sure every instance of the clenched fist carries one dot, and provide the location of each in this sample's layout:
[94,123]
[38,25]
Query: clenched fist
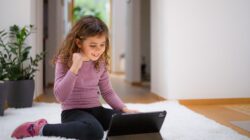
[77,60]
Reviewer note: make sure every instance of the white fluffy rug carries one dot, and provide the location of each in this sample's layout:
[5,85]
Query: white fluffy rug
[180,124]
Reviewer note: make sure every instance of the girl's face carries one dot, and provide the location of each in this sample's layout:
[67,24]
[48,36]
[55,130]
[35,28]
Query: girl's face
[93,47]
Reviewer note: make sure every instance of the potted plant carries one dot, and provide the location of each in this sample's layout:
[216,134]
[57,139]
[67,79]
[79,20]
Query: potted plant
[3,93]
[20,67]
[2,97]
[3,73]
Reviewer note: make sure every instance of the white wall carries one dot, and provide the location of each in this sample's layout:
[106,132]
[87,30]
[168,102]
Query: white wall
[118,33]
[200,49]
[55,36]
[130,36]
[37,20]
[159,57]
[133,42]
[20,13]
[145,34]
[67,23]
[23,13]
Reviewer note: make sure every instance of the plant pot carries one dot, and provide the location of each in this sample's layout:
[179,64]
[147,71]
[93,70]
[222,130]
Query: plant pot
[3,95]
[20,93]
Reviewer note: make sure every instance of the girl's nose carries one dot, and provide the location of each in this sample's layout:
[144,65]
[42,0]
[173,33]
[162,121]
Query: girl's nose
[97,49]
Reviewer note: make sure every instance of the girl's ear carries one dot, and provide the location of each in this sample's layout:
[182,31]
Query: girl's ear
[78,43]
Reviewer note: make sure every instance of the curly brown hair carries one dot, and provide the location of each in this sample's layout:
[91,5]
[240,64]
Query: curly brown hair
[87,26]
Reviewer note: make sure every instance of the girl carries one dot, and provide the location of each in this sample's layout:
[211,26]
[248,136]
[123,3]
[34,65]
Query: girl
[80,76]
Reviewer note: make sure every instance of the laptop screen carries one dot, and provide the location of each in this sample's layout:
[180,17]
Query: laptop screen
[136,123]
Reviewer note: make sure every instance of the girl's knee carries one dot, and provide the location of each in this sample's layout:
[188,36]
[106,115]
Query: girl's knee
[94,131]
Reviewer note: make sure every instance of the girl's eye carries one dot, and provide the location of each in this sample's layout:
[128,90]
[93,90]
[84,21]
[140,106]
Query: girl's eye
[103,45]
[92,46]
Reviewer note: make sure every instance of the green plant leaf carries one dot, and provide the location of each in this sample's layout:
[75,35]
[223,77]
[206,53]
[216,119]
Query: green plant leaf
[3,34]
[27,49]
[16,52]
[25,56]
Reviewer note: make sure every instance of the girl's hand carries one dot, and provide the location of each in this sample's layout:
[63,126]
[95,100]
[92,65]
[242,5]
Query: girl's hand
[77,59]
[126,110]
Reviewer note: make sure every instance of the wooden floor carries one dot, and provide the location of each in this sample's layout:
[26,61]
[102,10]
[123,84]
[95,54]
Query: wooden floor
[221,113]
[224,114]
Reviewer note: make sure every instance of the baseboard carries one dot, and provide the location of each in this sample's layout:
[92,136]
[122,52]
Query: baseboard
[160,98]
[38,98]
[215,101]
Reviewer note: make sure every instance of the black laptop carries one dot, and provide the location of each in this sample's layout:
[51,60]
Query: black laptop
[135,126]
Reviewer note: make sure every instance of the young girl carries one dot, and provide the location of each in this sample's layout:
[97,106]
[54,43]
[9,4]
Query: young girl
[80,77]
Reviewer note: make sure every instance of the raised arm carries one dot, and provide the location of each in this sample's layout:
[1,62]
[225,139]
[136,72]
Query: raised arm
[64,81]
[65,78]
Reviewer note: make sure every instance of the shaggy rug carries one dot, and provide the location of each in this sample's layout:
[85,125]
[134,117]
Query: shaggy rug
[180,123]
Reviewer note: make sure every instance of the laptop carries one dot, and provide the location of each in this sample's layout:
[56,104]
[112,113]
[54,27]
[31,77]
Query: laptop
[135,126]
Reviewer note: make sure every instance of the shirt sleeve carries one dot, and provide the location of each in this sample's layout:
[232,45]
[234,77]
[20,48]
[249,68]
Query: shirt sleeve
[64,82]
[108,93]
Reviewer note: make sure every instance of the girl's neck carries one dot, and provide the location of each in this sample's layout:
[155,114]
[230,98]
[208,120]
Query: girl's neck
[85,58]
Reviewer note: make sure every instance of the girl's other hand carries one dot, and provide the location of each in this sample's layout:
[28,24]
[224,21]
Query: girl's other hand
[126,110]
[77,59]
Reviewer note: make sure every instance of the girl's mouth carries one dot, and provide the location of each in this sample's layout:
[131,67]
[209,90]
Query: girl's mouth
[95,55]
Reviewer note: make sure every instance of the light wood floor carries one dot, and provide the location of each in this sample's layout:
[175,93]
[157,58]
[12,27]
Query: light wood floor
[221,113]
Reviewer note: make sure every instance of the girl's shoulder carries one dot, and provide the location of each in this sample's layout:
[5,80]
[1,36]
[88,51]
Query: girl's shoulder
[61,59]
[62,62]
[103,65]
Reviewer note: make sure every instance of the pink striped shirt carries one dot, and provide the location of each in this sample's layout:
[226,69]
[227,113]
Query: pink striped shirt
[83,90]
